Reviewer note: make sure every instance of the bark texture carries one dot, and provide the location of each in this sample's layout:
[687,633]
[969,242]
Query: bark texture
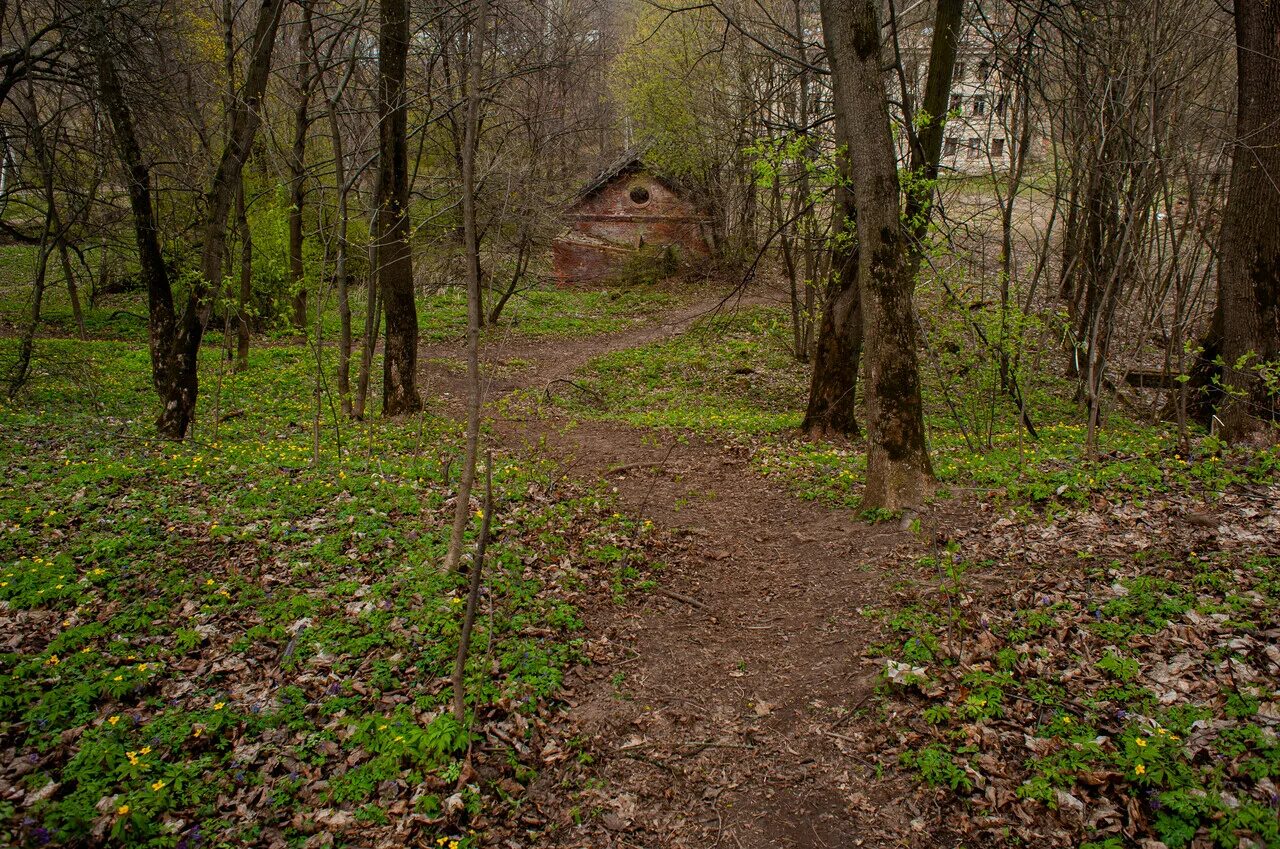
[833,391]
[395,255]
[1249,274]
[298,170]
[833,388]
[898,469]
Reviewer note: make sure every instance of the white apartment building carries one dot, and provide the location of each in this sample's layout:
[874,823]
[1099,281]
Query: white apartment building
[979,126]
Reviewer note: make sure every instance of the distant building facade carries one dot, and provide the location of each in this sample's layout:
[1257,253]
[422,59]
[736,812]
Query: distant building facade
[627,208]
[980,131]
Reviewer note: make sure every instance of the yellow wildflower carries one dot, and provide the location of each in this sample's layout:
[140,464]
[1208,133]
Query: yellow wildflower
[219,705]
[157,786]
[1139,769]
[114,719]
[123,810]
[1142,743]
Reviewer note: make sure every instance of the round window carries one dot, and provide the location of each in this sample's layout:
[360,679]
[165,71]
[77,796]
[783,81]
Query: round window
[639,195]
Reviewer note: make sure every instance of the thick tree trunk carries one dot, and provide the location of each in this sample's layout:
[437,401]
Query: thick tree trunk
[184,353]
[833,387]
[1249,273]
[161,317]
[898,470]
[833,390]
[395,255]
[834,384]
[175,343]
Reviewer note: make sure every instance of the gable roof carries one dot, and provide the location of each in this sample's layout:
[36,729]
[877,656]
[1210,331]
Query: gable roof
[631,159]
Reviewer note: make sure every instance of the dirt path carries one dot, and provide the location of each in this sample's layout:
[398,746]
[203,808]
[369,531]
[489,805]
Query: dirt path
[721,710]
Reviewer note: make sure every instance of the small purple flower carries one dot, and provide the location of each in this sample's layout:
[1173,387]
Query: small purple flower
[1121,713]
[34,757]
[335,688]
[41,836]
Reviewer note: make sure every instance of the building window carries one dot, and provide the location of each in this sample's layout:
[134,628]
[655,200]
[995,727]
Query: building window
[639,195]
[1001,102]
[975,147]
[949,149]
[955,102]
[979,105]
[984,68]
[959,74]
[997,148]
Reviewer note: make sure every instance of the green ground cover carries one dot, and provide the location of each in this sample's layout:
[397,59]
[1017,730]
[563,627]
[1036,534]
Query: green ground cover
[224,641]
[536,313]
[732,376]
[1135,691]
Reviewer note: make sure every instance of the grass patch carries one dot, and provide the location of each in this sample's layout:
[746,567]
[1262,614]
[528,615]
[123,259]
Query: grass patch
[729,374]
[225,624]
[733,377]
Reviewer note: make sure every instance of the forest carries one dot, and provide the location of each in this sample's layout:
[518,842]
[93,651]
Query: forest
[640,423]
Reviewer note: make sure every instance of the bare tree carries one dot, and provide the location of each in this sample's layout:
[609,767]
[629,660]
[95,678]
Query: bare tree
[475,307]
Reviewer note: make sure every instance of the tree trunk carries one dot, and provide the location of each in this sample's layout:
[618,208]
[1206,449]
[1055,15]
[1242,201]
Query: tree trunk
[243,318]
[475,307]
[298,171]
[926,151]
[834,384]
[1249,274]
[179,398]
[340,262]
[898,470]
[26,345]
[833,391]
[395,255]
[833,387]
[161,317]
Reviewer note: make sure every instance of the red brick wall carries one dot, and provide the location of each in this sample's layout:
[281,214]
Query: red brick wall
[609,219]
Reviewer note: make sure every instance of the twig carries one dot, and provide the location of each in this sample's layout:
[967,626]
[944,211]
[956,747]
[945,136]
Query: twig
[580,387]
[689,600]
[630,467]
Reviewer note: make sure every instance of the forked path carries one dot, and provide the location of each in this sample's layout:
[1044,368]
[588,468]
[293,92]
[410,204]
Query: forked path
[721,709]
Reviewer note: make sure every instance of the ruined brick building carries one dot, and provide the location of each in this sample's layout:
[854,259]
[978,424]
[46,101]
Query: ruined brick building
[627,208]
